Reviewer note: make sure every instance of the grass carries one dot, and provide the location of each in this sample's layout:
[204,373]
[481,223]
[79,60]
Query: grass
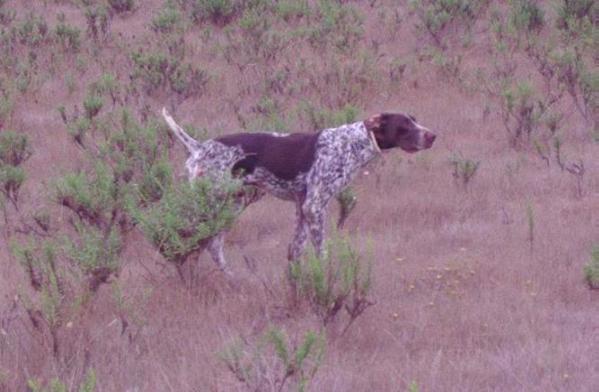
[462,304]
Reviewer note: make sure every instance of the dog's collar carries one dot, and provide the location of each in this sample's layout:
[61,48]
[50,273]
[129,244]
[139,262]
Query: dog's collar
[374,142]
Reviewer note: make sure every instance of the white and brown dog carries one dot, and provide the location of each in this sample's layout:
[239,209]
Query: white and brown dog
[306,168]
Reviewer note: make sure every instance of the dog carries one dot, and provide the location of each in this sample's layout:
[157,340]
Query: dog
[305,168]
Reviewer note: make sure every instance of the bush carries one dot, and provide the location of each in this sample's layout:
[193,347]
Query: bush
[573,11]
[591,270]
[122,5]
[347,202]
[187,215]
[167,19]
[526,15]
[68,36]
[332,282]
[14,150]
[157,70]
[464,169]
[92,105]
[270,363]
[289,10]
[438,17]
[96,253]
[33,30]
[91,197]
[11,179]
[187,80]
[98,22]
[217,11]
[521,111]
[340,26]
[325,118]
[52,300]
[56,385]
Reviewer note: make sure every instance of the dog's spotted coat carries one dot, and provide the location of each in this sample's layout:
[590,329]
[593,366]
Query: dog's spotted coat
[308,169]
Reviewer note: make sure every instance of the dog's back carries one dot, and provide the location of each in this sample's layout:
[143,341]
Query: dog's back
[283,156]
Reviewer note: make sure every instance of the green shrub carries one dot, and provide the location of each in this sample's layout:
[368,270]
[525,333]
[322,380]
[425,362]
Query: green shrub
[96,252]
[325,118]
[6,106]
[347,201]
[526,15]
[268,116]
[217,11]
[186,215]
[290,10]
[521,111]
[52,300]
[122,5]
[56,385]
[33,30]
[92,105]
[464,169]
[273,361]
[7,16]
[591,270]
[98,22]
[167,20]
[339,25]
[78,129]
[155,181]
[151,68]
[69,37]
[187,80]
[14,148]
[334,281]
[11,179]
[93,197]
[439,17]
[157,71]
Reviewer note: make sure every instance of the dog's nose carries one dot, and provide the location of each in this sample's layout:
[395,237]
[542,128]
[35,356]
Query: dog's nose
[429,138]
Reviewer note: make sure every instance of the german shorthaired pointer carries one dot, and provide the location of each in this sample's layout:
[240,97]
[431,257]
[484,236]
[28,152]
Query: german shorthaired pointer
[306,168]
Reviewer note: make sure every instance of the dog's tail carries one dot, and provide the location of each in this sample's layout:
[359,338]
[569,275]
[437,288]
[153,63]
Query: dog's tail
[190,143]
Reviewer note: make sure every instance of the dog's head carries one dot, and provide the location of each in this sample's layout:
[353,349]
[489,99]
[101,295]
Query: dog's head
[399,130]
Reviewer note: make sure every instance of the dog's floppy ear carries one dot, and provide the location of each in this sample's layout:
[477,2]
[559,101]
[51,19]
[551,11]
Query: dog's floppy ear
[374,122]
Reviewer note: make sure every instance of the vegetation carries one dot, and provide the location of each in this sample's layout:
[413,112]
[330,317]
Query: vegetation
[14,150]
[273,360]
[186,215]
[333,282]
[96,211]
[591,270]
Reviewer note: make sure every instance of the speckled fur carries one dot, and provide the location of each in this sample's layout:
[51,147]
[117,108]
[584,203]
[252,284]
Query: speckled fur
[339,153]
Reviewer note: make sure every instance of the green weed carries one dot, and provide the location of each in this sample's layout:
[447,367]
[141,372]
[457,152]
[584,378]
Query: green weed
[464,169]
[69,37]
[335,281]
[122,5]
[167,20]
[441,18]
[274,360]
[591,269]
[14,150]
[186,215]
[219,12]
[57,385]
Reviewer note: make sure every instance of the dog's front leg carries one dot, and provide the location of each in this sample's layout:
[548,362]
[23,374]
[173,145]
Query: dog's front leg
[300,237]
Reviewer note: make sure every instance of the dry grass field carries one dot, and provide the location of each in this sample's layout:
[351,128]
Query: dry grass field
[476,247]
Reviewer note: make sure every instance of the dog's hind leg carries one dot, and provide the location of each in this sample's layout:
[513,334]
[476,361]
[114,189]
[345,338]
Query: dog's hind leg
[216,248]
